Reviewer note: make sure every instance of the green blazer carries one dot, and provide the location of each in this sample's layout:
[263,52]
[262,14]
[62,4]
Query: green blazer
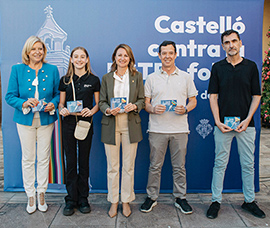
[136,96]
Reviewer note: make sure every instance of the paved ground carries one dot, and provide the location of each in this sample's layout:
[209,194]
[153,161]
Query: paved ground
[165,215]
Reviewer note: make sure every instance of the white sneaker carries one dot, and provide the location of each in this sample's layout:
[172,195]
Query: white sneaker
[42,206]
[31,205]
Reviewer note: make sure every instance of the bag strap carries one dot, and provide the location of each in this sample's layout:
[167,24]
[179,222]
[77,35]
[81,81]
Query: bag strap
[74,96]
[73,90]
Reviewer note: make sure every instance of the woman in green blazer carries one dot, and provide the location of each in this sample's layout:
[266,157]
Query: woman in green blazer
[121,124]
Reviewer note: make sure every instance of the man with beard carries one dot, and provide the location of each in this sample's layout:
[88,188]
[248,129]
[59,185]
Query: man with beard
[235,94]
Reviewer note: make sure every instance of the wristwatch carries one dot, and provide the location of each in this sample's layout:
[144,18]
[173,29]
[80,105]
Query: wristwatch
[186,111]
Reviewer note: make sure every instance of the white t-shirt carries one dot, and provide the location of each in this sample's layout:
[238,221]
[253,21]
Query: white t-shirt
[161,86]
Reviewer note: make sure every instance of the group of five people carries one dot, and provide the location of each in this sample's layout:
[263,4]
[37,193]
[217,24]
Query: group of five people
[234,90]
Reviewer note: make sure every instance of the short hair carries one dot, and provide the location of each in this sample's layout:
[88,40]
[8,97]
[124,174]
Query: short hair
[131,64]
[70,71]
[29,43]
[166,43]
[229,32]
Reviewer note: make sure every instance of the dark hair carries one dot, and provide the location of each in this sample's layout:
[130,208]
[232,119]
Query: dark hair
[229,32]
[166,43]
[131,64]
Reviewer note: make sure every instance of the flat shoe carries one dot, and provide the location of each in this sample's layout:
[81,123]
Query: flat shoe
[85,208]
[68,210]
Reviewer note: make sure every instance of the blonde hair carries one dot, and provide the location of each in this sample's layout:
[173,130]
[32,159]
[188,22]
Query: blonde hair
[29,43]
[131,64]
[70,71]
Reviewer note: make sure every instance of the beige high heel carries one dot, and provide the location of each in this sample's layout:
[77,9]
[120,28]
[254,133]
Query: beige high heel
[113,210]
[126,209]
[42,206]
[31,205]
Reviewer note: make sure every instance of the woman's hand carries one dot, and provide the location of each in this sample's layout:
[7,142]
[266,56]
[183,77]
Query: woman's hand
[130,107]
[49,107]
[86,112]
[64,112]
[114,111]
[31,102]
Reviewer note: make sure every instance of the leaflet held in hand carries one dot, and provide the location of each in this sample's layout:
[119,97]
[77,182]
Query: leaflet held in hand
[75,106]
[41,106]
[170,105]
[232,121]
[118,102]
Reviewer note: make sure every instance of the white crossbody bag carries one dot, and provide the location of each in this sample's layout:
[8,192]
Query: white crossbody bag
[82,126]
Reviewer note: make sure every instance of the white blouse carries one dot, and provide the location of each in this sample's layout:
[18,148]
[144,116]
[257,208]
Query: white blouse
[121,86]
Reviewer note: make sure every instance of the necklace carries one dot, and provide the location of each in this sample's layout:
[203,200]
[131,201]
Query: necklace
[120,76]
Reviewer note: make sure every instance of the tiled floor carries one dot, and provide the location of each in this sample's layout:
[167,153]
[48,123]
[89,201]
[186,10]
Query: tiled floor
[13,214]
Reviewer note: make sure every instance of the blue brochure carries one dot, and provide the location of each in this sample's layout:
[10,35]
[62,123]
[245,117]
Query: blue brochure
[41,106]
[232,121]
[118,102]
[75,106]
[170,105]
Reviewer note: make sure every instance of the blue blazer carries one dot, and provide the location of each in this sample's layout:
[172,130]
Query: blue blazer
[20,88]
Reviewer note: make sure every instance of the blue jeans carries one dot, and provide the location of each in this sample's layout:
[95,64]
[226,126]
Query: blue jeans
[246,147]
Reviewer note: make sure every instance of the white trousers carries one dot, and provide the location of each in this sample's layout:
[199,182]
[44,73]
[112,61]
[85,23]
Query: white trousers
[128,162]
[35,138]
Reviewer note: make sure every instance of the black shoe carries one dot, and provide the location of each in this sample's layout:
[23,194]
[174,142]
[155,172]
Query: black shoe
[148,205]
[68,210]
[253,209]
[183,205]
[84,208]
[212,212]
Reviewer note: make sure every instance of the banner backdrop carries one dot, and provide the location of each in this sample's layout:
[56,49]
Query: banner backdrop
[99,26]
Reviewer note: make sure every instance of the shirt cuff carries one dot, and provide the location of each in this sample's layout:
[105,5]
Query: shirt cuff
[136,110]
[52,112]
[26,110]
[106,112]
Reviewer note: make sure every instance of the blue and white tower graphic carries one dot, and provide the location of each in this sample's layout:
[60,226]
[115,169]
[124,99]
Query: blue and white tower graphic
[54,38]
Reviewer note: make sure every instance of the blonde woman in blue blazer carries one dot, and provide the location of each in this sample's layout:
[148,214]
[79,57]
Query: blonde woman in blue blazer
[30,82]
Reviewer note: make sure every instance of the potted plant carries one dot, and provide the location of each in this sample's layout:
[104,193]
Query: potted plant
[265,101]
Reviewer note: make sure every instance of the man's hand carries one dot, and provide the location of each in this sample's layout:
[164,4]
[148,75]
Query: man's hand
[180,110]
[242,126]
[223,127]
[159,109]
[253,107]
